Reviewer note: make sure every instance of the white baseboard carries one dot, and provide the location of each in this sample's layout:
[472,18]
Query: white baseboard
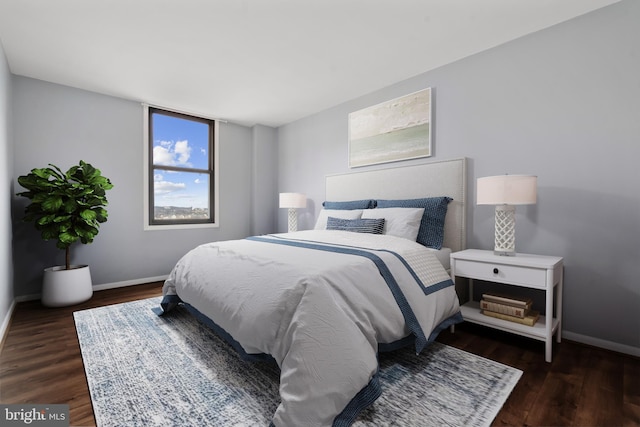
[5,323]
[597,342]
[103,286]
[25,298]
[133,282]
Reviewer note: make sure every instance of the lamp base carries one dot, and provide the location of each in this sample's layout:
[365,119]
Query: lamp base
[505,235]
[504,253]
[293,220]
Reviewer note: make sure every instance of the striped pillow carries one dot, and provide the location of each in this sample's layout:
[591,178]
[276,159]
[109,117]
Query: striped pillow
[371,225]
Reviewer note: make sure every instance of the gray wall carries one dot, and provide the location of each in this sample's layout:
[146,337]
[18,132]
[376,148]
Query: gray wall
[61,125]
[265,180]
[562,104]
[6,189]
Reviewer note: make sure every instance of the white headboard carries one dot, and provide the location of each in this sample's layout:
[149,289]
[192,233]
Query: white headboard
[442,178]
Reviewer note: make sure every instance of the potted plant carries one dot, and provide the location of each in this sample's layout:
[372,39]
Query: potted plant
[66,207]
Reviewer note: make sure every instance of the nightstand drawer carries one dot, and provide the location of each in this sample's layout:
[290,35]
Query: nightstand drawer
[524,276]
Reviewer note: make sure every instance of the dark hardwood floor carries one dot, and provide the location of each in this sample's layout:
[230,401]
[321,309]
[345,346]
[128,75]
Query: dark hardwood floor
[40,362]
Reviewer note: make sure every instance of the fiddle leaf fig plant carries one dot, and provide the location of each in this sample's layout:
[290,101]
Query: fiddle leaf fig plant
[67,206]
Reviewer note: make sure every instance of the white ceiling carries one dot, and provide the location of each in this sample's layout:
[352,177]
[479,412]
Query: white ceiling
[257,61]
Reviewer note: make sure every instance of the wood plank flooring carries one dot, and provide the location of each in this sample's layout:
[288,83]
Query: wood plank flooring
[40,362]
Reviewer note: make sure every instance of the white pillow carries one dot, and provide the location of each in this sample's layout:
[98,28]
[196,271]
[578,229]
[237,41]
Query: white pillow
[321,223]
[400,222]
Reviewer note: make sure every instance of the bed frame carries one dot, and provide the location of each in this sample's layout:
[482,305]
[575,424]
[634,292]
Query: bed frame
[442,178]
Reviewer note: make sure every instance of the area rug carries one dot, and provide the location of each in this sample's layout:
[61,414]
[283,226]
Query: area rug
[145,370]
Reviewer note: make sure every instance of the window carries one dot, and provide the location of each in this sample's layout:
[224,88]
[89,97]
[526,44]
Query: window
[181,178]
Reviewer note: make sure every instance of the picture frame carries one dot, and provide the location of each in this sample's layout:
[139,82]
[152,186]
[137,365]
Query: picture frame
[395,130]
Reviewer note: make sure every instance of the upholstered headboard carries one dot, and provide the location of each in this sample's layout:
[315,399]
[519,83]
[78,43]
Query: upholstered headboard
[442,178]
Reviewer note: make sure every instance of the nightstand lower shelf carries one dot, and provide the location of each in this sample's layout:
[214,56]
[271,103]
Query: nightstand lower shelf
[471,313]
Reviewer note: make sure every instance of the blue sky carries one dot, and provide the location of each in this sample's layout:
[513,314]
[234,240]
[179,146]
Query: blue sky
[180,142]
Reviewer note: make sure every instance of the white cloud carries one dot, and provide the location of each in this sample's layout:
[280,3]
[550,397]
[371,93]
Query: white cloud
[165,187]
[162,156]
[198,181]
[183,152]
[168,153]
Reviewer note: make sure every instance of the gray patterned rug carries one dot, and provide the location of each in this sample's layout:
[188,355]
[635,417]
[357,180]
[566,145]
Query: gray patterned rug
[145,370]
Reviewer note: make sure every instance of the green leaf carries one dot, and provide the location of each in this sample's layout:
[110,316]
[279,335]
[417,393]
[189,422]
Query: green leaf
[56,171]
[39,197]
[47,219]
[52,203]
[49,234]
[89,171]
[88,215]
[70,205]
[86,240]
[62,218]
[86,231]
[67,238]
[101,215]
[44,173]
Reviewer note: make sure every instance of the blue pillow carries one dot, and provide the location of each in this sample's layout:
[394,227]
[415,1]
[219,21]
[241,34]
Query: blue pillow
[431,232]
[352,204]
[371,225]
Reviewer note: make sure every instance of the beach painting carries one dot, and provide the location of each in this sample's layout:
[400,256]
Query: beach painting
[395,130]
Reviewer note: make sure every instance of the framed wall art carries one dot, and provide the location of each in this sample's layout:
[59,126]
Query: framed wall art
[395,130]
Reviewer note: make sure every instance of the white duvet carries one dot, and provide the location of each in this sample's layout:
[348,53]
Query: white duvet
[320,314]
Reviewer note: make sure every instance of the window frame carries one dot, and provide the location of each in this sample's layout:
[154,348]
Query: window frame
[150,223]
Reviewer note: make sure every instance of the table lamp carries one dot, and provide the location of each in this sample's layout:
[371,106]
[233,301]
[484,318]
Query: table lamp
[505,192]
[293,201]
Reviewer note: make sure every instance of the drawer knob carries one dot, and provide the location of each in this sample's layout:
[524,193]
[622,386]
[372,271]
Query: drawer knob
[496,271]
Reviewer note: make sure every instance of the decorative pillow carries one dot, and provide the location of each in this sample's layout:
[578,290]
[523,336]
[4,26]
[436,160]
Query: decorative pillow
[372,225]
[400,222]
[321,222]
[352,204]
[431,233]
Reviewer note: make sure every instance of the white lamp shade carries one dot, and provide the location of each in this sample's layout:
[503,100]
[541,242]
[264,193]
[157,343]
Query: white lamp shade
[293,200]
[507,190]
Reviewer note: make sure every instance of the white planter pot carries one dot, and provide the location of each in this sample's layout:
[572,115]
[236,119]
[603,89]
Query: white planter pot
[62,287]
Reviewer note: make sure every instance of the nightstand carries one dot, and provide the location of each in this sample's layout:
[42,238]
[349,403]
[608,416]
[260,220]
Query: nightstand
[522,270]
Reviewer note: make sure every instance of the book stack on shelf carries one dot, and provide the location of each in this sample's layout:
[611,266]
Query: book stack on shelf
[508,308]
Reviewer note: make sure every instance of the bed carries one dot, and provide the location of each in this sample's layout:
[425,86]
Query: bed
[323,302]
